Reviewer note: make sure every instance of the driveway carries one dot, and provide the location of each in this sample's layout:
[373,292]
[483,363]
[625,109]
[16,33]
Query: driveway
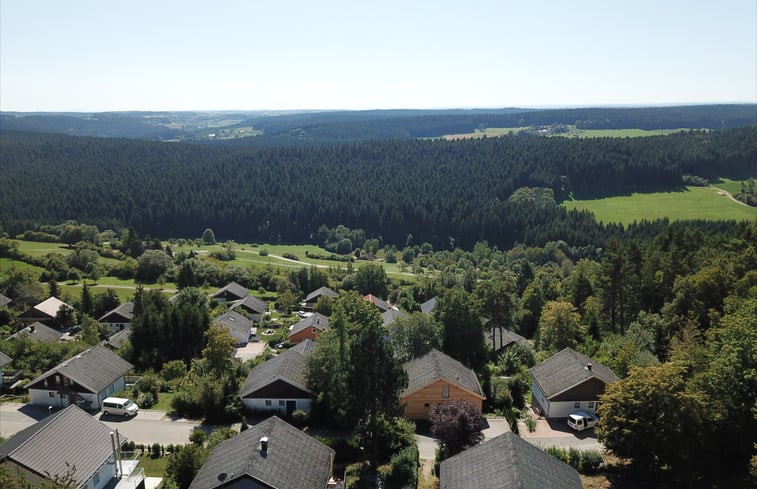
[556,433]
[493,428]
[147,427]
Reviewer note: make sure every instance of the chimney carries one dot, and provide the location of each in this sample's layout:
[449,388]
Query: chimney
[32,328]
[588,367]
[264,445]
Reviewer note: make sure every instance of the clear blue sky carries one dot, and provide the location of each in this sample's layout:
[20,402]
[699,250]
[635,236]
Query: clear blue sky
[248,55]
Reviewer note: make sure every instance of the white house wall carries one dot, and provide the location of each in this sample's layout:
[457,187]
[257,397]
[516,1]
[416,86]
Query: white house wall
[42,397]
[259,405]
[538,396]
[105,474]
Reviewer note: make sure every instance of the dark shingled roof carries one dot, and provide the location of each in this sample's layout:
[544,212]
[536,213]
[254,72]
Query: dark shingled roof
[119,339]
[94,369]
[428,306]
[232,288]
[288,366]
[250,303]
[4,359]
[436,365]
[38,332]
[311,297]
[293,459]
[503,337]
[567,369]
[125,310]
[69,436]
[507,461]
[380,303]
[390,316]
[317,320]
[4,301]
[234,321]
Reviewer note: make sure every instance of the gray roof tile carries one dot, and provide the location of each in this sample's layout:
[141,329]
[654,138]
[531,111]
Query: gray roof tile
[293,460]
[119,339]
[234,321]
[69,436]
[390,316]
[566,369]
[125,310]
[314,295]
[4,359]
[498,337]
[317,320]
[233,289]
[507,461]
[288,366]
[93,369]
[38,332]
[429,305]
[436,365]
[4,301]
[250,303]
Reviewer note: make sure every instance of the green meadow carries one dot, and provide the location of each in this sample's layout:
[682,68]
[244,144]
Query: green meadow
[691,203]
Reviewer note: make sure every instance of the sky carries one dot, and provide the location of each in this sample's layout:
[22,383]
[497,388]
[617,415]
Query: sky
[91,56]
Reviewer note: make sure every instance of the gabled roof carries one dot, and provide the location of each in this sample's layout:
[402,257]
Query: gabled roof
[235,322]
[50,306]
[317,320]
[251,304]
[119,339]
[507,461]
[288,366]
[4,301]
[232,288]
[93,369]
[314,295]
[69,436]
[567,369]
[4,359]
[434,366]
[292,460]
[125,310]
[38,332]
[503,337]
[390,316]
[429,305]
[380,303]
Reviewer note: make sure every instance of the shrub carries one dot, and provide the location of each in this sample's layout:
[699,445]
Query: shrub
[531,424]
[145,400]
[586,462]
[404,469]
[299,418]
[263,252]
[290,256]
[197,437]
[156,449]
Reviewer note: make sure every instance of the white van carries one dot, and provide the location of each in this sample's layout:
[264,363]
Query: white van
[119,405]
[580,421]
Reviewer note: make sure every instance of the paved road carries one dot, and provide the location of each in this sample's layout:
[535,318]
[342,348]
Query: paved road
[148,427]
[555,433]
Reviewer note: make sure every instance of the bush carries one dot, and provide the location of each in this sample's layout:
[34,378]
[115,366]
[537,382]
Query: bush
[198,437]
[531,424]
[299,418]
[146,400]
[156,449]
[586,462]
[404,469]
[263,252]
[290,256]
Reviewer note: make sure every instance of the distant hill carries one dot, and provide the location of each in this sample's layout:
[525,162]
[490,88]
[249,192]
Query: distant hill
[335,127]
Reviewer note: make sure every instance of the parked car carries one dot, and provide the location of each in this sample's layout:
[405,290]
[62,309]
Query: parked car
[580,421]
[120,406]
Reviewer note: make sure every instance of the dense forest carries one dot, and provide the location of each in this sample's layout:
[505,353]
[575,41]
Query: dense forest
[315,128]
[449,193]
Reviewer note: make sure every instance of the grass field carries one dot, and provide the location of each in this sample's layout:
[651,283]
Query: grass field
[616,133]
[728,185]
[692,203]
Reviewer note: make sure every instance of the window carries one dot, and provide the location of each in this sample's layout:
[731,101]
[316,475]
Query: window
[51,394]
[590,405]
[445,391]
[282,402]
[577,405]
[268,402]
[425,405]
[315,330]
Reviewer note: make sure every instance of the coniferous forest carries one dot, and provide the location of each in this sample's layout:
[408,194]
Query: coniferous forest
[449,193]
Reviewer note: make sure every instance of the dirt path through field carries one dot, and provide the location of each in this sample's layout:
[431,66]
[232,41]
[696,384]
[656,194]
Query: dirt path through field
[727,194]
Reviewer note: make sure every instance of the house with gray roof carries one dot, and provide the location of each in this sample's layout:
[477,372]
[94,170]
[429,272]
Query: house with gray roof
[308,328]
[568,382]
[4,360]
[38,332]
[230,293]
[84,379]
[67,438]
[507,461]
[119,318]
[119,340]
[239,326]
[428,306]
[279,384]
[435,378]
[4,301]
[271,455]
[312,298]
[499,338]
[253,307]
[390,316]
[381,304]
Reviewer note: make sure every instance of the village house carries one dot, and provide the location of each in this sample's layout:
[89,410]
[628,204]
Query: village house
[435,378]
[312,298]
[84,379]
[38,333]
[119,318]
[239,327]
[568,382]
[230,293]
[308,328]
[45,312]
[271,455]
[278,385]
[253,307]
[71,443]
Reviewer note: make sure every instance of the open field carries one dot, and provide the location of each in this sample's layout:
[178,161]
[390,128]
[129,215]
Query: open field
[691,203]
[616,133]
[6,264]
[728,185]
